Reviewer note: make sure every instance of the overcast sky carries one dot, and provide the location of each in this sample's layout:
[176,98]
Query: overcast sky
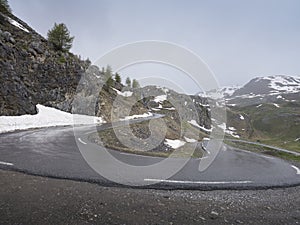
[239,40]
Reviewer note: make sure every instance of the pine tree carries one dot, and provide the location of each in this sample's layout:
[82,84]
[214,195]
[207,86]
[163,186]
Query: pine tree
[135,84]
[4,6]
[59,37]
[108,72]
[110,82]
[118,78]
[128,82]
[108,76]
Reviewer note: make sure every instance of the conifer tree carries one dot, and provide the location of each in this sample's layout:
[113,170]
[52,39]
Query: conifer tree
[118,78]
[59,37]
[135,84]
[128,82]
[5,6]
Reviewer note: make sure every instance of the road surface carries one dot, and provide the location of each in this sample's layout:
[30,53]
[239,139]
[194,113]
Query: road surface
[53,152]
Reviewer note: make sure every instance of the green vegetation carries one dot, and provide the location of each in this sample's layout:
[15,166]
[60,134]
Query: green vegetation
[108,72]
[4,6]
[118,78]
[62,59]
[263,150]
[108,76]
[135,84]
[110,82]
[277,126]
[59,38]
[285,144]
[128,82]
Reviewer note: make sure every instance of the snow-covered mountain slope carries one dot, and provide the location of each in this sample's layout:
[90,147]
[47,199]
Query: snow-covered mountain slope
[225,92]
[228,91]
[271,85]
[279,88]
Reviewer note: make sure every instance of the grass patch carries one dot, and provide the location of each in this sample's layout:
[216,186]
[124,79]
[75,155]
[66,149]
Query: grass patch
[287,144]
[263,150]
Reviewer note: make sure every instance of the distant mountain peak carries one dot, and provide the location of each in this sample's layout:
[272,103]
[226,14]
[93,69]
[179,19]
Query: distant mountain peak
[282,83]
[274,84]
[271,88]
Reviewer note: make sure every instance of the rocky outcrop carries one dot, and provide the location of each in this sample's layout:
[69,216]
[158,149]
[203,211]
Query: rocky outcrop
[31,72]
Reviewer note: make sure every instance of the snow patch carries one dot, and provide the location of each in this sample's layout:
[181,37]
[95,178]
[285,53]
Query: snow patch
[154,109]
[276,105]
[124,94]
[46,117]
[171,108]
[242,117]
[231,105]
[222,126]
[164,89]
[160,98]
[232,133]
[137,116]
[190,140]
[18,25]
[231,128]
[287,84]
[174,143]
[228,91]
[194,123]
[204,105]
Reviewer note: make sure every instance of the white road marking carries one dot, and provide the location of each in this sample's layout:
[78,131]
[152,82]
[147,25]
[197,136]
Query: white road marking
[296,168]
[82,142]
[6,163]
[199,182]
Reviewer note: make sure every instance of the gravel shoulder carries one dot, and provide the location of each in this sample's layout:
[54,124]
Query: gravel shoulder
[27,199]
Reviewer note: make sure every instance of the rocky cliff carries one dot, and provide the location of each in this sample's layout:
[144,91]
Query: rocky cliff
[31,72]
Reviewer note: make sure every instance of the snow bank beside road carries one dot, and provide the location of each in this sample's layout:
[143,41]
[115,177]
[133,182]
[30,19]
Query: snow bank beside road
[46,117]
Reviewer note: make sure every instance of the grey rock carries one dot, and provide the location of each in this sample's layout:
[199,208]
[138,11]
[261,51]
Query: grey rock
[12,40]
[32,52]
[37,46]
[6,35]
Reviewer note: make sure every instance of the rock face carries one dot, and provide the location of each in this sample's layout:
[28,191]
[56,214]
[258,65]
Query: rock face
[176,105]
[31,72]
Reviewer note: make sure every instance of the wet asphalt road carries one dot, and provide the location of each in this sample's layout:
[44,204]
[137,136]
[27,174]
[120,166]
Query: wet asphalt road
[54,152]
